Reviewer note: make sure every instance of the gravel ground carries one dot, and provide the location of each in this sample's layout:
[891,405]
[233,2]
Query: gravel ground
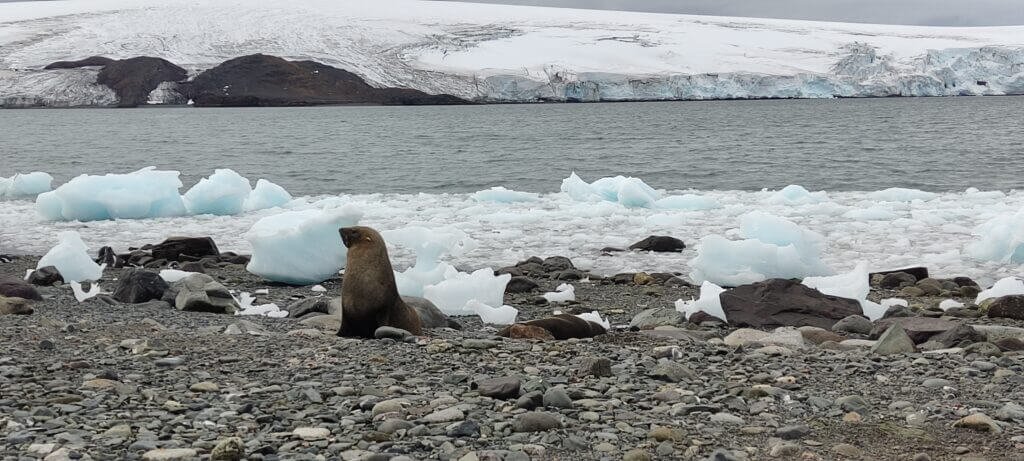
[119,381]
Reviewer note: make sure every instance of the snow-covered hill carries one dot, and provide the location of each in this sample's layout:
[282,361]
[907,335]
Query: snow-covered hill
[509,53]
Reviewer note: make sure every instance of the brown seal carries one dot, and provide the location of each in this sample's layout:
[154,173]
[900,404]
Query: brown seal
[561,326]
[369,297]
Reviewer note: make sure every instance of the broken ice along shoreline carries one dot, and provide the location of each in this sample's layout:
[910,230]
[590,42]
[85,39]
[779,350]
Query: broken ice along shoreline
[732,237]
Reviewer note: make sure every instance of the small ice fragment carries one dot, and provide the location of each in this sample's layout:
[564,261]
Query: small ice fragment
[504,315]
[948,304]
[262,291]
[82,295]
[595,316]
[318,289]
[708,302]
[1004,287]
[563,293]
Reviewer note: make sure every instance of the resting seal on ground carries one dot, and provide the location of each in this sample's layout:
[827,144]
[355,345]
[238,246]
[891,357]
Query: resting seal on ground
[369,296]
[562,326]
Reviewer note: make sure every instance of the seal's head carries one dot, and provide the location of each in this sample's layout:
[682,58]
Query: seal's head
[358,234]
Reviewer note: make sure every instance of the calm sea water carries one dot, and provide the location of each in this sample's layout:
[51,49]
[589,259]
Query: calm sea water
[937,144]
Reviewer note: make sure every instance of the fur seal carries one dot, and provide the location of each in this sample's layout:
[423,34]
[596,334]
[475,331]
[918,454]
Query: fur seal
[561,326]
[369,296]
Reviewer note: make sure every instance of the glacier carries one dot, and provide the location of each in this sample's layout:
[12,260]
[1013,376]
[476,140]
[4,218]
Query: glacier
[500,53]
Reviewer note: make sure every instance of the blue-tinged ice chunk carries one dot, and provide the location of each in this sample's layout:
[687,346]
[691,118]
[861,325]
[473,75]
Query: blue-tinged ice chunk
[455,294]
[773,247]
[266,195]
[796,195]
[146,193]
[1000,239]
[71,257]
[503,195]
[430,246]
[627,191]
[25,185]
[300,247]
[223,193]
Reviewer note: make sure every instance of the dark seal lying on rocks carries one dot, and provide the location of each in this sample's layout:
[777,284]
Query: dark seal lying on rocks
[369,295]
[561,326]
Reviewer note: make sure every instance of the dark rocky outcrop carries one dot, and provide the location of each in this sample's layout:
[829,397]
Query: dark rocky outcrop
[185,249]
[1010,307]
[263,80]
[659,243]
[138,286]
[134,78]
[779,302]
[91,61]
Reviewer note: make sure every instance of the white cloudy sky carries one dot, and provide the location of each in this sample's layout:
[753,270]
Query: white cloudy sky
[916,12]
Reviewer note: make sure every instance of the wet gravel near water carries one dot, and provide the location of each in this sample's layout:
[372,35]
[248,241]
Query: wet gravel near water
[101,381]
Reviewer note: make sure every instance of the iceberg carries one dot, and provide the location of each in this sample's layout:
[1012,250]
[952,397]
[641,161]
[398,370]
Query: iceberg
[223,193]
[71,257]
[151,193]
[1000,239]
[25,185]
[300,247]
[627,191]
[430,245]
[146,193]
[773,247]
[687,202]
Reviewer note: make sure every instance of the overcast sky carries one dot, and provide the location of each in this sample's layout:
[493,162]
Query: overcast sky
[914,12]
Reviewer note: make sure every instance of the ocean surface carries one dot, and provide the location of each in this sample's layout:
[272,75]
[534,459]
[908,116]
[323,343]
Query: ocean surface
[419,167]
[934,144]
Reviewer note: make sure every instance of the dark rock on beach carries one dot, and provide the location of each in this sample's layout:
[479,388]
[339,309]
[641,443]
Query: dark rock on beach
[1010,307]
[139,286]
[780,302]
[134,78]
[659,243]
[185,248]
[264,80]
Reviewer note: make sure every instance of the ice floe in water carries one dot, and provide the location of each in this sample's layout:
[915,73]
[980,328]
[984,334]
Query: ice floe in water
[772,247]
[151,193]
[25,185]
[503,195]
[933,233]
[796,195]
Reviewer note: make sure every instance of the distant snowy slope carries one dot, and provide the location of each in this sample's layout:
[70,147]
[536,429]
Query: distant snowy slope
[499,52]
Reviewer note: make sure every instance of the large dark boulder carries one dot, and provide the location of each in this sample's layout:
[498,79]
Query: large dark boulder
[659,243]
[139,286]
[91,61]
[779,302]
[185,249]
[1009,307]
[13,287]
[134,78]
[263,80]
